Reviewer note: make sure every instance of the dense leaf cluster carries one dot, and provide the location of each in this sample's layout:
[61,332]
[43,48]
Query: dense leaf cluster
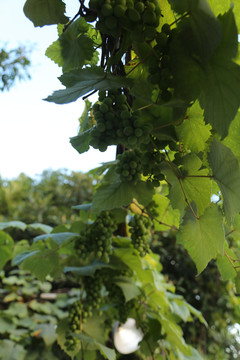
[168,83]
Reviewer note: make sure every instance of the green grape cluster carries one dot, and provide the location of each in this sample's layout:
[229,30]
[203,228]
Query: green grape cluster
[159,63]
[92,286]
[97,238]
[74,320]
[151,163]
[140,233]
[129,166]
[114,16]
[116,123]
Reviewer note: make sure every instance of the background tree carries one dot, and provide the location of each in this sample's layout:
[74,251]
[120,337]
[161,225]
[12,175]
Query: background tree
[14,65]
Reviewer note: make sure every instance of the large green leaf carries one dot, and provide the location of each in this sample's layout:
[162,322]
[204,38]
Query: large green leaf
[225,168]
[195,186]
[74,48]
[118,194]
[9,350]
[42,263]
[229,43]
[83,81]
[220,96]
[45,12]
[203,237]
[193,132]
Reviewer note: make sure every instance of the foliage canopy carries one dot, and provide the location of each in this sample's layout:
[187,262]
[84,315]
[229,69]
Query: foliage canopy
[167,78]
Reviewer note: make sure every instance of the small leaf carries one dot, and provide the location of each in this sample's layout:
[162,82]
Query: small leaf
[88,270]
[6,248]
[128,287]
[81,141]
[45,228]
[58,238]
[42,263]
[226,173]
[15,224]
[45,12]
[193,132]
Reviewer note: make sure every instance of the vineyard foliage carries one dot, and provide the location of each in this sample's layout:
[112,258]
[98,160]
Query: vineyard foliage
[167,78]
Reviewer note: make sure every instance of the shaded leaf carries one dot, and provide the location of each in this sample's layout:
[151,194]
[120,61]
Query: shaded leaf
[45,12]
[58,238]
[15,224]
[81,141]
[225,168]
[42,263]
[6,248]
[224,263]
[128,287]
[9,350]
[118,194]
[88,270]
[83,81]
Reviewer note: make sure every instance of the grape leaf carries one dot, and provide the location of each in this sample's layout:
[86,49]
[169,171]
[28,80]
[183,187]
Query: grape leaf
[45,12]
[224,264]
[45,228]
[128,287]
[229,43]
[193,132]
[195,185]
[59,238]
[81,141]
[225,168]
[9,350]
[87,270]
[203,237]
[6,248]
[15,224]
[223,6]
[118,194]
[233,138]
[42,263]
[82,81]
[74,48]
[220,96]
[165,213]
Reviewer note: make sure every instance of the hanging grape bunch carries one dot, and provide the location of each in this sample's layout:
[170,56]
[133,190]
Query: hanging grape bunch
[97,238]
[140,233]
[116,123]
[116,16]
[129,166]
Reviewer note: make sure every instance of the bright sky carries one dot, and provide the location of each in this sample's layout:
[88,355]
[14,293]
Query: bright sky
[34,134]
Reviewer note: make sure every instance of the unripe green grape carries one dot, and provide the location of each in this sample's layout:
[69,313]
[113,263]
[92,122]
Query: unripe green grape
[138,132]
[149,17]
[102,147]
[130,3]
[103,108]
[149,32]
[109,116]
[120,2]
[119,10]
[139,6]
[133,15]
[128,130]
[107,10]
[132,140]
[121,99]
[125,115]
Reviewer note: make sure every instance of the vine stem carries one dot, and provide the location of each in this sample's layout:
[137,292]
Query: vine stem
[198,176]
